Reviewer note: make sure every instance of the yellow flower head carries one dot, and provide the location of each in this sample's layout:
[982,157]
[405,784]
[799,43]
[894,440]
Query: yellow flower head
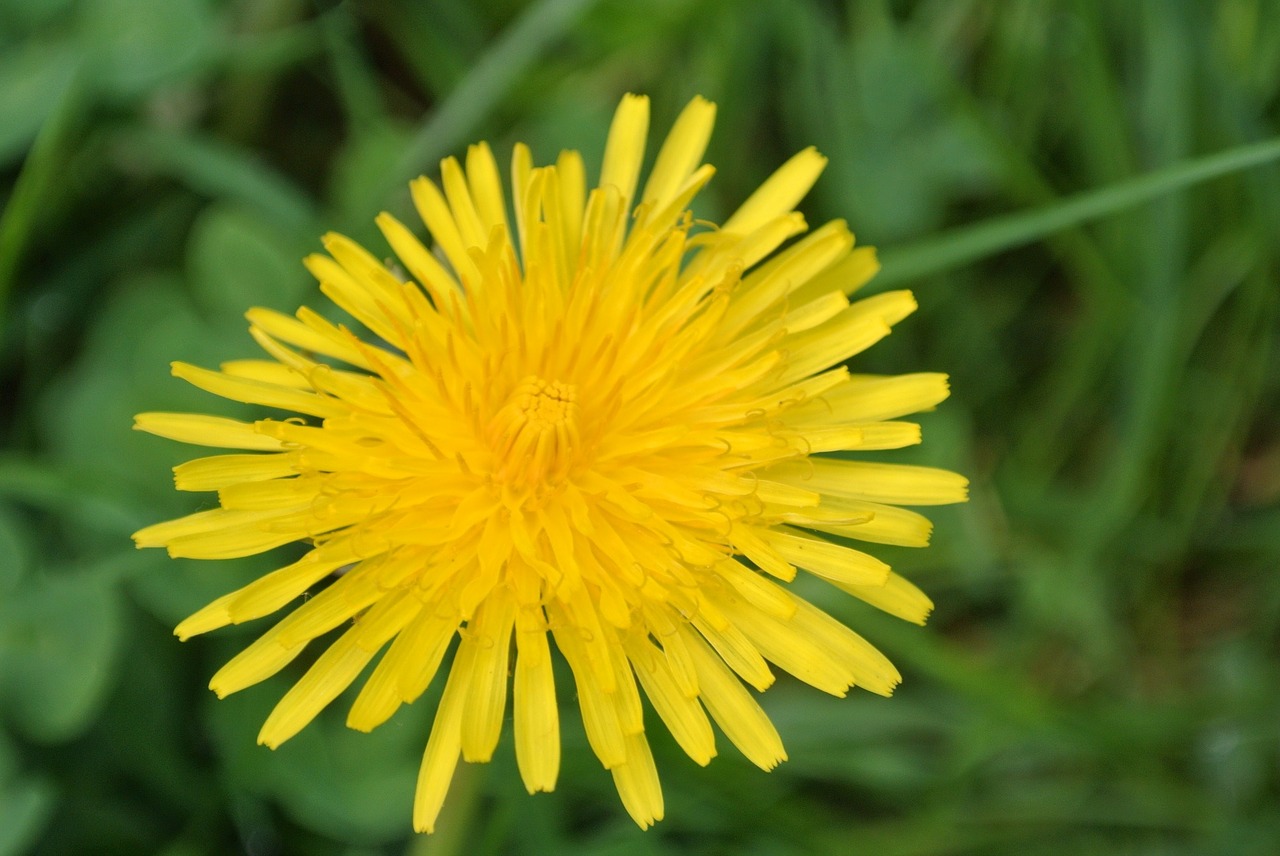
[603,423]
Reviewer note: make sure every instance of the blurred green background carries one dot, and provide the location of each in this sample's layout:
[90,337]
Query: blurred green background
[1102,674]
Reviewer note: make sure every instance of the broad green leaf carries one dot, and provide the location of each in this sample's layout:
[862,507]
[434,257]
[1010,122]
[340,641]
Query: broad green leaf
[58,646]
[25,808]
[350,785]
[32,79]
[172,589]
[123,370]
[15,551]
[138,45]
[355,183]
[221,171]
[237,260]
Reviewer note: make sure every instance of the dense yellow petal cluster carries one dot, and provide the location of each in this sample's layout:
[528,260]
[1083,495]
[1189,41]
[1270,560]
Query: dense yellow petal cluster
[594,420]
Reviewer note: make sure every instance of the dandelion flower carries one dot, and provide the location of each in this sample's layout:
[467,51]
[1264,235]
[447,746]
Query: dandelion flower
[595,426]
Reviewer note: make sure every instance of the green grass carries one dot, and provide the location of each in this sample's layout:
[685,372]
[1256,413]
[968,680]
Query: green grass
[1083,196]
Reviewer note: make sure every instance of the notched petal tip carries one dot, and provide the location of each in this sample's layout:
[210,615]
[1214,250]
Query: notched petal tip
[812,152]
[145,537]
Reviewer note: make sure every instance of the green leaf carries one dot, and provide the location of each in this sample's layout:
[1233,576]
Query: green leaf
[355,183]
[15,552]
[27,15]
[25,807]
[172,589]
[58,654]
[220,171]
[237,260]
[877,104]
[123,370]
[138,45]
[352,786]
[32,80]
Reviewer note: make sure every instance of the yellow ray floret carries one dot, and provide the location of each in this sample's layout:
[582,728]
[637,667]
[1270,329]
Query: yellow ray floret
[599,436]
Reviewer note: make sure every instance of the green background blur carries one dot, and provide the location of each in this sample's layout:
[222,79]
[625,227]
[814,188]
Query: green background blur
[1102,673]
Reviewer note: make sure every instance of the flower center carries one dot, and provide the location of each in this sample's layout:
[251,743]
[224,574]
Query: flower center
[535,433]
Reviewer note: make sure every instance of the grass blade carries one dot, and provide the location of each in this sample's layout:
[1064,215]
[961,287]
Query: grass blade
[38,176]
[972,243]
[500,67]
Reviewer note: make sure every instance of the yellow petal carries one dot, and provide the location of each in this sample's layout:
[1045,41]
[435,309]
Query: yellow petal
[897,597]
[457,192]
[521,172]
[827,560]
[411,661]
[272,591]
[266,371]
[208,618]
[599,708]
[331,673]
[637,783]
[733,646]
[808,315]
[869,398]
[486,647]
[537,717]
[895,484]
[777,278]
[871,669]
[681,152]
[356,297]
[624,149]
[790,648]
[258,392]
[680,712]
[733,708]
[352,593]
[259,661]
[205,431]
[852,331]
[573,195]
[780,192]
[846,276]
[218,523]
[757,590]
[883,524]
[627,695]
[434,211]
[269,494]
[486,189]
[318,336]
[887,435]
[386,619]
[220,471]
[441,756]
[421,264]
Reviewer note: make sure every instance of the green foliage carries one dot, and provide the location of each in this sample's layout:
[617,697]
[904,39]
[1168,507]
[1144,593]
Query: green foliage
[1083,195]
